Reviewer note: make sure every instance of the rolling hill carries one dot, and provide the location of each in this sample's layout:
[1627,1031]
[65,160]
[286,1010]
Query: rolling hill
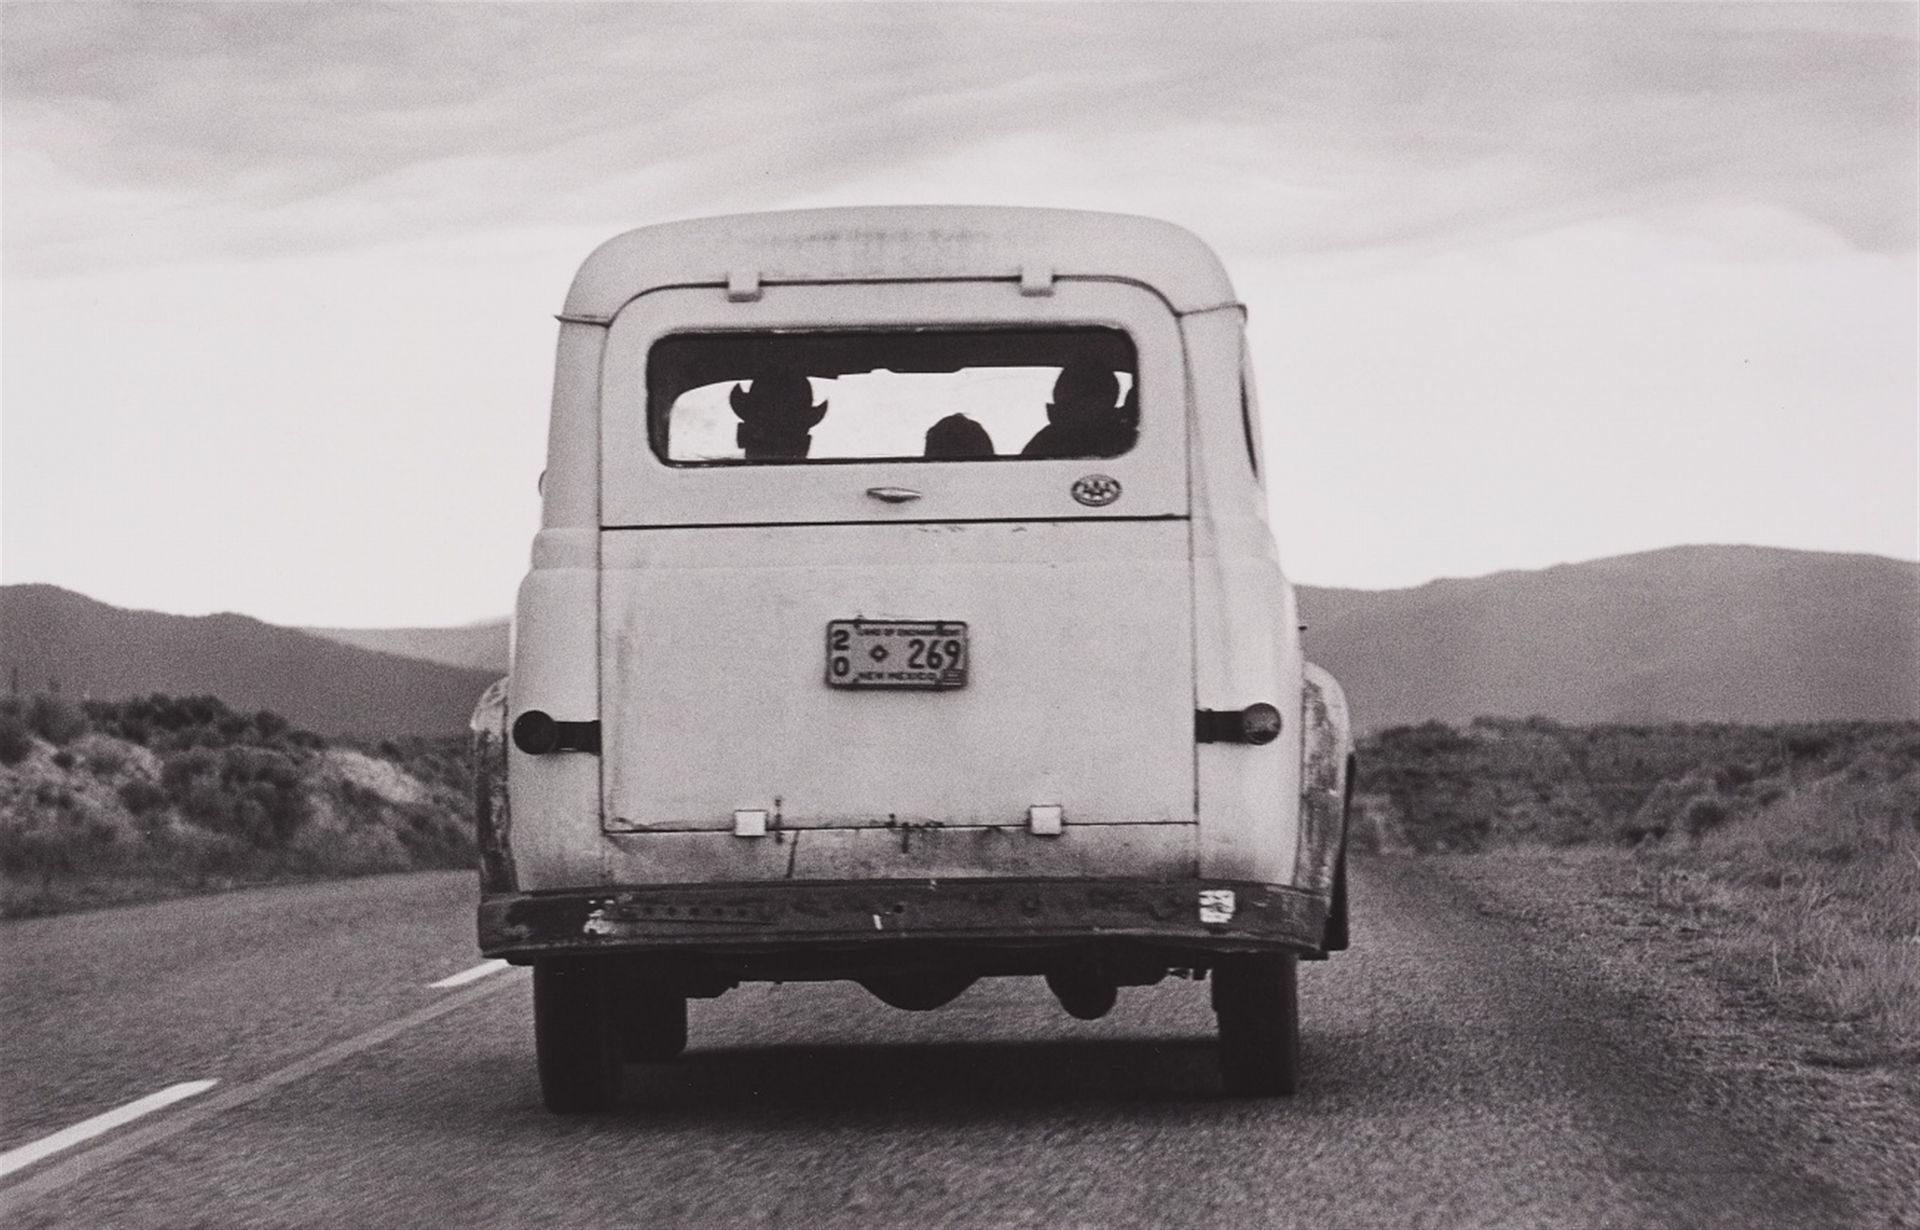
[50,635]
[1698,633]
[480,646]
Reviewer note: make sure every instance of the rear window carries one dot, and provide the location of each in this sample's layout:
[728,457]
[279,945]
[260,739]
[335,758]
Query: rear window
[932,395]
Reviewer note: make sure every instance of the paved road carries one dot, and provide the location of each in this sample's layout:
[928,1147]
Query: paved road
[1453,1079]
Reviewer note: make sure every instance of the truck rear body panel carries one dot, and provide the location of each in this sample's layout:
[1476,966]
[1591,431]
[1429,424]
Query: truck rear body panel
[714,653]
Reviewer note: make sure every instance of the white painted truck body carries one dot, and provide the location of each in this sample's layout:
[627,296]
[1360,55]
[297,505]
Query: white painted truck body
[674,621]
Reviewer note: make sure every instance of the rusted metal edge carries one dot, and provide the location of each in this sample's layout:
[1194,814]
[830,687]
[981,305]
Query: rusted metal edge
[492,814]
[746,918]
[1325,745]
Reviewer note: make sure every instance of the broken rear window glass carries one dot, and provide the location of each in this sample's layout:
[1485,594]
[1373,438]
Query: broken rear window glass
[935,395]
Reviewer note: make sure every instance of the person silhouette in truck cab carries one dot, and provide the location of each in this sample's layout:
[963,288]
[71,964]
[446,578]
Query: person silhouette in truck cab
[956,438]
[777,416]
[1083,419]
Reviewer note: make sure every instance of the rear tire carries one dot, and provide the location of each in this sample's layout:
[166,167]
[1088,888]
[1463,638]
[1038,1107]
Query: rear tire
[652,1025]
[1337,938]
[573,1036]
[1256,997]
[1086,998]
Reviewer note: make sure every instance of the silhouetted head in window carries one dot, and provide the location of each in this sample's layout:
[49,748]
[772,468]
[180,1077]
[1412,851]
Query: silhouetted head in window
[956,438]
[1084,419]
[777,416]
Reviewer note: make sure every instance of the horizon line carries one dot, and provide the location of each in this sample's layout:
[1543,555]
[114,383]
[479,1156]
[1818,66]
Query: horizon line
[488,621]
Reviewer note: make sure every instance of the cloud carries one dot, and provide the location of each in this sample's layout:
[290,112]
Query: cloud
[165,132]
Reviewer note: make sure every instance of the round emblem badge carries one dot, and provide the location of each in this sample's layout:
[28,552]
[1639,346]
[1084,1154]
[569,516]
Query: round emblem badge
[1096,490]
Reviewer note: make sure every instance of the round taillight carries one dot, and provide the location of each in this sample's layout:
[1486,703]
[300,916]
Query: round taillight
[536,733]
[1260,723]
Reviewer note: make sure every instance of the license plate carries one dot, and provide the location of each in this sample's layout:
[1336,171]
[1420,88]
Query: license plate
[897,653]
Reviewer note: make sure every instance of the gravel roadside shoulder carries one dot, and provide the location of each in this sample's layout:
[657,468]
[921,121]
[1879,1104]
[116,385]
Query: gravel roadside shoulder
[1753,1062]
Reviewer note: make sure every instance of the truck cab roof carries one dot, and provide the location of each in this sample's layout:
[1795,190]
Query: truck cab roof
[901,243]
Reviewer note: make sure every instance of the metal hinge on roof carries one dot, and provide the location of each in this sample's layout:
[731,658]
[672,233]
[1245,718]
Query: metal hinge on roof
[743,285]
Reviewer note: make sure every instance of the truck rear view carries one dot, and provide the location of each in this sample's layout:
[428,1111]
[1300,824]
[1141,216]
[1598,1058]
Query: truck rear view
[905,612]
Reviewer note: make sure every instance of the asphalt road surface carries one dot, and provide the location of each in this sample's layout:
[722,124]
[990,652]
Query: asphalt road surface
[1453,1078]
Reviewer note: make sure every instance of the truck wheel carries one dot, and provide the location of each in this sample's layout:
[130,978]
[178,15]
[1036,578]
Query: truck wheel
[917,992]
[573,1036]
[652,1025]
[1088,998]
[1337,938]
[1256,997]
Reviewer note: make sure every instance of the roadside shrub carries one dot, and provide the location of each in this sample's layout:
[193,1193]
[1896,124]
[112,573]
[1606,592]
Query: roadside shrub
[1703,815]
[213,799]
[1808,745]
[254,794]
[56,719]
[37,851]
[140,796]
[180,770]
[106,759]
[1531,780]
[15,739]
[171,722]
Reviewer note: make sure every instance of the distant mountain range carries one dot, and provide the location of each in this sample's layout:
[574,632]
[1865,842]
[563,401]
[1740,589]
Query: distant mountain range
[1698,634]
[54,637]
[1714,633]
[481,646]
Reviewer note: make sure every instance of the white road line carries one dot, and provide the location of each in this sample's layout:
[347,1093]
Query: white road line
[106,1153]
[87,1129]
[475,974]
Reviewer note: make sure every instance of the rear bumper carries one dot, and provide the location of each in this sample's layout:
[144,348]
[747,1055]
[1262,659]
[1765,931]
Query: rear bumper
[792,917]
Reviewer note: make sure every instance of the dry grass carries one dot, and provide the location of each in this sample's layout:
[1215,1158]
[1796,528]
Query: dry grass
[1790,854]
[1830,932]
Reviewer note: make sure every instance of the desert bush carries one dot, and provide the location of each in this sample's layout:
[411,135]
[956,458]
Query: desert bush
[180,769]
[16,740]
[106,759]
[36,851]
[174,722]
[140,796]
[255,794]
[1502,779]
[1808,745]
[1703,815]
[56,719]
[217,799]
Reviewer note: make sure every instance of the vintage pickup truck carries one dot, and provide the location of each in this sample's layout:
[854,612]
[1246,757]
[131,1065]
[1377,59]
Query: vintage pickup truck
[905,611]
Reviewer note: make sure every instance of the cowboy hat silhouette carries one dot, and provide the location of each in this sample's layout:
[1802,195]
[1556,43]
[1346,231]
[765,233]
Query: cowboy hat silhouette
[777,416]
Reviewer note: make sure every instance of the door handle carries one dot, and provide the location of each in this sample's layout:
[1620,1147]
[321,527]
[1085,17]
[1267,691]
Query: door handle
[893,495]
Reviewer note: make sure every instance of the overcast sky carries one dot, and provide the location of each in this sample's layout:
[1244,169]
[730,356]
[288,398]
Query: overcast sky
[1528,283]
